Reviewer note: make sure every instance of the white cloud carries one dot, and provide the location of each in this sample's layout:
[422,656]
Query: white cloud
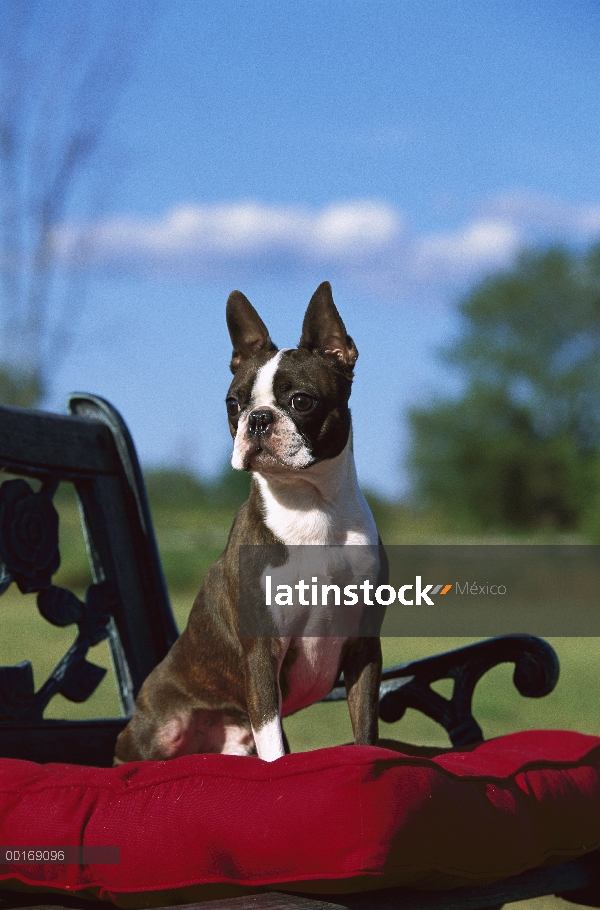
[484,243]
[229,232]
[542,214]
[365,242]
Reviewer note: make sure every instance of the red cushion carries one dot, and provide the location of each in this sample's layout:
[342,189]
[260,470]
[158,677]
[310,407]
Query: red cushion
[346,818]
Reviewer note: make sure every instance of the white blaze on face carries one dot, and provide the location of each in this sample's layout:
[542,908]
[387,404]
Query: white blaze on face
[264,385]
[284,442]
[262,390]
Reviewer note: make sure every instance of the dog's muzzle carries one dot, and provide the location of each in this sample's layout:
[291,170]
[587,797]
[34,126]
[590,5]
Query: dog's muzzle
[259,422]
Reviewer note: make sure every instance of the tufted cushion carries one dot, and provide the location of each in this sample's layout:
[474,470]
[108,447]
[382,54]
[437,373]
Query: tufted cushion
[338,819]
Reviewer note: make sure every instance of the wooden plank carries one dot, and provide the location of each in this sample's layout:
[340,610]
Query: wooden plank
[268,900]
[535,883]
[265,901]
[54,444]
[48,900]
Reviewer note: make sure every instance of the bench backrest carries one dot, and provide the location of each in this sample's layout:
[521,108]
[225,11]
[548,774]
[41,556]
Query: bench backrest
[128,601]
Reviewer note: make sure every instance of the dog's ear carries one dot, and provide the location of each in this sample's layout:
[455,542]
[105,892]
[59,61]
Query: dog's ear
[324,331]
[247,331]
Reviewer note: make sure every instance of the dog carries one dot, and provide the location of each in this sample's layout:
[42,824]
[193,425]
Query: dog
[218,690]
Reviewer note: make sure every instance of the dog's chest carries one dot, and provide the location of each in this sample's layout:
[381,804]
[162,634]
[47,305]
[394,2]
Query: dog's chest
[313,672]
[302,515]
[332,539]
[315,629]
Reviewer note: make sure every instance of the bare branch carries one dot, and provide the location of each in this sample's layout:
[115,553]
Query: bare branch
[61,74]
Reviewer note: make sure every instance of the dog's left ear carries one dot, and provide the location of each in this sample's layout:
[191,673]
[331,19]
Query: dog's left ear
[324,331]
[247,331]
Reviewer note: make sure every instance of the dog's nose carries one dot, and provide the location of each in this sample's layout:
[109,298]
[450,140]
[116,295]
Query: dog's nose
[259,421]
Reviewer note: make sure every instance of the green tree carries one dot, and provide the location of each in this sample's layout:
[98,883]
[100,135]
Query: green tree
[520,447]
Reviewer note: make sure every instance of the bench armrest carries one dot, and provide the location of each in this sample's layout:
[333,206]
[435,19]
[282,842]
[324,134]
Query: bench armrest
[409,685]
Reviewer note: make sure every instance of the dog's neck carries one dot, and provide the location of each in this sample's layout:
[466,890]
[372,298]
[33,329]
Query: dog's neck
[322,504]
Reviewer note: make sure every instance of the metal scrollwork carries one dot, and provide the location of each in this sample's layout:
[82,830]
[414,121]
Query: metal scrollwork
[28,535]
[409,685]
[29,556]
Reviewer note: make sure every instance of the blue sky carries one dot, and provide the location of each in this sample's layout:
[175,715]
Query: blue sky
[399,150]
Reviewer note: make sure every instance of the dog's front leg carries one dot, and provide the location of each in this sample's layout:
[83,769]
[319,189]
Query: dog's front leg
[264,698]
[362,676]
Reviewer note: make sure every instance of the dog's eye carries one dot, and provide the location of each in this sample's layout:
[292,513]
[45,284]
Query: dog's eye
[302,402]
[233,407]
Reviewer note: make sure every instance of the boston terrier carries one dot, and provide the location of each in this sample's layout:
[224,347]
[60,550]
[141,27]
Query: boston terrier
[221,691]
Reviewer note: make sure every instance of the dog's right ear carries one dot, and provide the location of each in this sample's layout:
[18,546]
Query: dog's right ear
[247,331]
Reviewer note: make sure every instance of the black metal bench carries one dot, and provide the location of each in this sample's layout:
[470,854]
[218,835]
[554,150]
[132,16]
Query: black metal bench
[128,604]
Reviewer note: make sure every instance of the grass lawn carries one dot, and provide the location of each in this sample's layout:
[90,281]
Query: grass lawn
[573,705]
[190,537]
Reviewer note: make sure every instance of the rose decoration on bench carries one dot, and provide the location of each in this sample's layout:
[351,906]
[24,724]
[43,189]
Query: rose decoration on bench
[28,537]
[29,556]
